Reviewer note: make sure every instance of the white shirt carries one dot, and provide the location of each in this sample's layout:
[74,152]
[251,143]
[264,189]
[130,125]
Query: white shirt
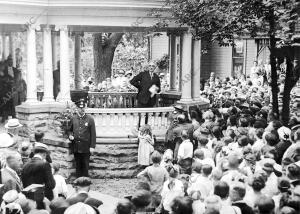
[169,194]
[185,150]
[256,147]
[60,187]
[202,184]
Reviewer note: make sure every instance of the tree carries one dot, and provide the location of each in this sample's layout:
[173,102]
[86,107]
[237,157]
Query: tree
[104,45]
[225,20]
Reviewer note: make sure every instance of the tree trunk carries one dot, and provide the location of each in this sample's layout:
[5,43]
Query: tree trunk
[274,84]
[285,115]
[292,76]
[104,50]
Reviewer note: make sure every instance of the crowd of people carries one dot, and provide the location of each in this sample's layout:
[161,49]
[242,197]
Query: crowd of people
[234,158]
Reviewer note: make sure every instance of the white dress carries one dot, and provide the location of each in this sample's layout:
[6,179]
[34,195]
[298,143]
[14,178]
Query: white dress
[146,143]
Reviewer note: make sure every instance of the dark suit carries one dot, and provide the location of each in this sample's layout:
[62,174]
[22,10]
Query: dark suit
[84,132]
[16,87]
[38,171]
[143,82]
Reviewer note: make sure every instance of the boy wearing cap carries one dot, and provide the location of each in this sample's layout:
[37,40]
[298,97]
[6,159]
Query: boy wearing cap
[83,136]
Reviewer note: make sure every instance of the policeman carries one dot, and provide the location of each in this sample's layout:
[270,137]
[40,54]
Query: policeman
[83,137]
[178,109]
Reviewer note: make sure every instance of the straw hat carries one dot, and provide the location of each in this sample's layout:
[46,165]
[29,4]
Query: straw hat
[13,123]
[6,140]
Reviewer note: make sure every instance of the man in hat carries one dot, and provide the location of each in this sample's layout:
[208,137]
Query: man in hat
[83,136]
[13,126]
[38,171]
[178,109]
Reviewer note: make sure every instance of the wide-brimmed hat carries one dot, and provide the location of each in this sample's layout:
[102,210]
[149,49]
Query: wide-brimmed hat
[13,123]
[82,181]
[6,140]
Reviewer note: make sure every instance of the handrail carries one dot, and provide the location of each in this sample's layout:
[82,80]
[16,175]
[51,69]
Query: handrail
[128,110]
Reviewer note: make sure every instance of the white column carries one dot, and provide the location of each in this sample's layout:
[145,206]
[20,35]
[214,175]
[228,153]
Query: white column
[12,50]
[64,66]
[31,65]
[186,81]
[47,58]
[54,39]
[172,61]
[77,56]
[4,47]
[196,70]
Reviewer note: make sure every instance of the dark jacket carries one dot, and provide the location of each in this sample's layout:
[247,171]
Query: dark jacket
[245,209]
[38,171]
[56,82]
[84,132]
[143,82]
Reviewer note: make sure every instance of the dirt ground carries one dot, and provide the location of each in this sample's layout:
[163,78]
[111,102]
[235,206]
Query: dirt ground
[115,187]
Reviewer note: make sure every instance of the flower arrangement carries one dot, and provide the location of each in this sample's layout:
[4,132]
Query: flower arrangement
[65,118]
[163,62]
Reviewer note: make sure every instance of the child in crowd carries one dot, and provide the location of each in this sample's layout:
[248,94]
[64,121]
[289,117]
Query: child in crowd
[155,174]
[172,188]
[61,189]
[146,143]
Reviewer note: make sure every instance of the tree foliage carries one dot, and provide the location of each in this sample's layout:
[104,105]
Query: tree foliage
[224,20]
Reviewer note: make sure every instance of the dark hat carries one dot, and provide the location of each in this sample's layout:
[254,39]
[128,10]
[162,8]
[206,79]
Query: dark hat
[82,181]
[80,103]
[283,184]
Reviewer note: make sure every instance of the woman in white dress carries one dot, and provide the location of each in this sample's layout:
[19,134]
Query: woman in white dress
[146,143]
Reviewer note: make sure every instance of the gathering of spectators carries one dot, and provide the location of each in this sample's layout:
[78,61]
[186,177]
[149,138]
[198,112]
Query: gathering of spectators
[236,157]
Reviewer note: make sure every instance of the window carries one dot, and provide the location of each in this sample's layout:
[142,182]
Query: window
[238,57]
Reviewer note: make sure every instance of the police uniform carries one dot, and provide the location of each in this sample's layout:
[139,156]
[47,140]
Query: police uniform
[84,133]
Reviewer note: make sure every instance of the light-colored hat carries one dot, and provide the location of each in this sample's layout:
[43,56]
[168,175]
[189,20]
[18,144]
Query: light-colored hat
[80,208]
[13,123]
[41,146]
[284,133]
[6,140]
[10,196]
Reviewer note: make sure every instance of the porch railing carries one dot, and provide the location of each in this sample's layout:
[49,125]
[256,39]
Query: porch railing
[124,122]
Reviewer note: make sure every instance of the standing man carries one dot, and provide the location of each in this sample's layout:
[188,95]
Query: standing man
[38,170]
[16,78]
[83,136]
[148,85]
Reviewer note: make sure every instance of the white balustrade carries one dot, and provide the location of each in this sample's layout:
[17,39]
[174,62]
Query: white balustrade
[123,122]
